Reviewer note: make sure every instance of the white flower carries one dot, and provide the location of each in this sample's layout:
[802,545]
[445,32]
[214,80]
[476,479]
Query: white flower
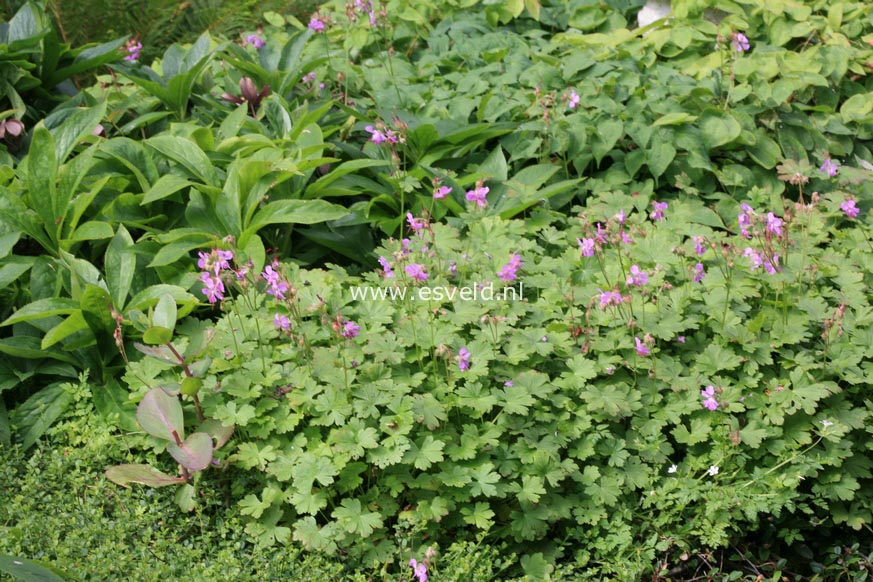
[673,469]
[713,470]
[826,423]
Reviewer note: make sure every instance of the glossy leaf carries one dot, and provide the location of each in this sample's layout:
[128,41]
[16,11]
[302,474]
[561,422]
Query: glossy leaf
[143,474]
[160,415]
[195,453]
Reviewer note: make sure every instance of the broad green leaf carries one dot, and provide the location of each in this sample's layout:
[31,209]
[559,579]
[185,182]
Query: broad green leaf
[607,133]
[35,415]
[676,118]
[187,155]
[29,348]
[5,429]
[195,453]
[718,128]
[75,129]
[150,296]
[142,474]
[217,431]
[160,415]
[186,498]
[157,336]
[295,212]
[165,312]
[119,265]
[75,323]
[41,309]
[30,570]
[13,268]
[42,171]
[658,157]
[355,519]
[92,230]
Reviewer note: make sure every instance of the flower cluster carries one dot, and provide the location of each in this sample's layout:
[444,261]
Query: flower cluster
[212,264]
[380,134]
[509,272]
[574,99]
[608,298]
[463,359]
[659,208]
[133,48]
[255,40]
[739,42]
[830,167]
[758,260]
[709,401]
[419,570]
[275,285]
[416,271]
[637,277]
[849,208]
[316,24]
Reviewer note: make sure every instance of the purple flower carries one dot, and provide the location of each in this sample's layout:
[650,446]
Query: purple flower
[608,298]
[625,237]
[754,257]
[509,272]
[830,167]
[463,359]
[418,570]
[586,245]
[376,136]
[133,47]
[637,277]
[441,192]
[255,40]
[414,223]
[600,236]
[316,25]
[574,99]
[453,269]
[416,271]
[275,286]
[772,265]
[739,42]
[215,261]
[508,383]
[386,268]
[849,208]
[641,347]
[477,195]
[745,219]
[282,322]
[213,288]
[658,213]
[621,216]
[681,339]
[709,401]
[699,273]
[774,224]
[351,329]
[308,77]
[698,245]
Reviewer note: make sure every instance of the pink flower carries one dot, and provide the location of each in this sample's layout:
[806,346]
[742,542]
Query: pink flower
[698,245]
[463,359]
[574,99]
[275,286]
[418,570]
[441,192]
[386,268]
[133,48]
[830,167]
[641,347]
[774,224]
[709,401]
[509,272]
[601,234]
[255,40]
[282,322]
[316,25]
[745,219]
[739,42]
[376,136]
[849,208]
[658,213]
[416,271]
[621,216]
[608,298]
[699,273]
[637,277]
[215,261]
[213,288]
[414,223]
[586,245]
[477,195]
[351,329]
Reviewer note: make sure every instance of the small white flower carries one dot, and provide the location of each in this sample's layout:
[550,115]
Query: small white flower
[826,423]
[713,470]
[673,469]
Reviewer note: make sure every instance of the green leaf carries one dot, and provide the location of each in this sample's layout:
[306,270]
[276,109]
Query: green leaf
[195,453]
[676,118]
[165,313]
[29,570]
[160,415]
[142,474]
[352,518]
[37,413]
[76,128]
[156,336]
[607,134]
[42,309]
[42,170]
[119,266]
[92,230]
[13,268]
[188,155]
[294,212]
[484,479]
[71,325]
[718,128]
[5,429]
[425,453]
[111,400]
[658,157]
[186,498]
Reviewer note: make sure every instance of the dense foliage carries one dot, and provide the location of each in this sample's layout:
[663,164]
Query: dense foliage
[257,250]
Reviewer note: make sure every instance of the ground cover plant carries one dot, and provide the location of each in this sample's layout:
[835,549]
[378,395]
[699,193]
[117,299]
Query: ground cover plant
[680,211]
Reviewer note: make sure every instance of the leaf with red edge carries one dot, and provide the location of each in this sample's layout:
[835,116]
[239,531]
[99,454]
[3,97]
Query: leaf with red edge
[195,453]
[160,415]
